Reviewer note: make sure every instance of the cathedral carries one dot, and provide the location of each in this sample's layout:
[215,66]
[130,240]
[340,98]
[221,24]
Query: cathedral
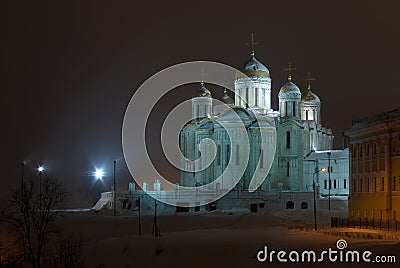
[297,128]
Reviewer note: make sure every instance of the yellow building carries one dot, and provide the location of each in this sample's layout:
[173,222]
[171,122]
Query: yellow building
[375,167]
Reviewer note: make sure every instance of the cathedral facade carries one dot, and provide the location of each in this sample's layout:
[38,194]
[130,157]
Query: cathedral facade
[296,126]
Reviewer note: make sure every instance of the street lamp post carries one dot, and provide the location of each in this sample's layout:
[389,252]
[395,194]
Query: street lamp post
[40,169]
[329,179]
[317,170]
[114,196]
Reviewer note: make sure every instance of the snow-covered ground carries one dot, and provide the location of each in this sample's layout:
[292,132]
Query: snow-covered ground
[206,240]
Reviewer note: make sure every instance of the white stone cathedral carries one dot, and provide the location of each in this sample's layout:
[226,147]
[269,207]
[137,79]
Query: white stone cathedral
[297,124]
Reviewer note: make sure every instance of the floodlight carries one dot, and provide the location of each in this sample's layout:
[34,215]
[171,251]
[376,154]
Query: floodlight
[99,174]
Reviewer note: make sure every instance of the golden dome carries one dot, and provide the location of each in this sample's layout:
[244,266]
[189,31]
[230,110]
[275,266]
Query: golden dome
[253,68]
[289,87]
[226,99]
[203,91]
[310,96]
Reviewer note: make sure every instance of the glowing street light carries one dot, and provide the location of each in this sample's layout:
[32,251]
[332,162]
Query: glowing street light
[40,169]
[99,174]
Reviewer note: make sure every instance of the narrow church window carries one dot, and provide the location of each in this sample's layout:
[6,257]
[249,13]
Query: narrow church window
[288,140]
[313,114]
[247,97]
[286,108]
[345,184]
[325,184]
[287,169]
[237,154]
[294,108]
[228,153]
[219,155]
[306,114]
[334,184]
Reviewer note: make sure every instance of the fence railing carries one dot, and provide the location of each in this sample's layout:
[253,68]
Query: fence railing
[365,223]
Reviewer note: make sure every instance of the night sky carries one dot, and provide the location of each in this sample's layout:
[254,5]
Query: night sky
[69,68]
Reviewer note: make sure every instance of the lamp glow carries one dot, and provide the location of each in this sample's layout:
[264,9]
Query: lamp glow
[40,169]
[99,174]
[323,169]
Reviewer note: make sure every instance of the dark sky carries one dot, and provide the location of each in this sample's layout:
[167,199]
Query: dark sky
[69,68]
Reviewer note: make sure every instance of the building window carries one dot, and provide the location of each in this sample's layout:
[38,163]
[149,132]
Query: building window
[334,184]
[325,184]
[237,154]
[361,151]
[361,185]
[294,108]
[306,114]
[345,184]
[219,155]
[304,205]
[367,150]
[375,184]
[247,97]
[374,151]
[290,205]
[383,184]
[228,153]
[287,168]
[287,139]
[286,108]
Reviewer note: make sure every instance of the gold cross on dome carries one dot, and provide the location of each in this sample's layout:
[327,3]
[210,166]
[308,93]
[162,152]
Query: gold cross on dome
[252,44]
[309,79]
[289,70]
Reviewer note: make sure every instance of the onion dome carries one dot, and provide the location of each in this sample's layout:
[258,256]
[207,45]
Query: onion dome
[253,68]
[289,87]
[310,96]
[226,99]
[203,91]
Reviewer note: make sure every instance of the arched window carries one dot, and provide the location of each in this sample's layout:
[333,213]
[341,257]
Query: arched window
[290,205]
[304,205]
[294,108]
[286,108]
[287,139]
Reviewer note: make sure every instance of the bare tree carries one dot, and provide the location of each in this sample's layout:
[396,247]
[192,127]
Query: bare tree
[30,210]
[68,254]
